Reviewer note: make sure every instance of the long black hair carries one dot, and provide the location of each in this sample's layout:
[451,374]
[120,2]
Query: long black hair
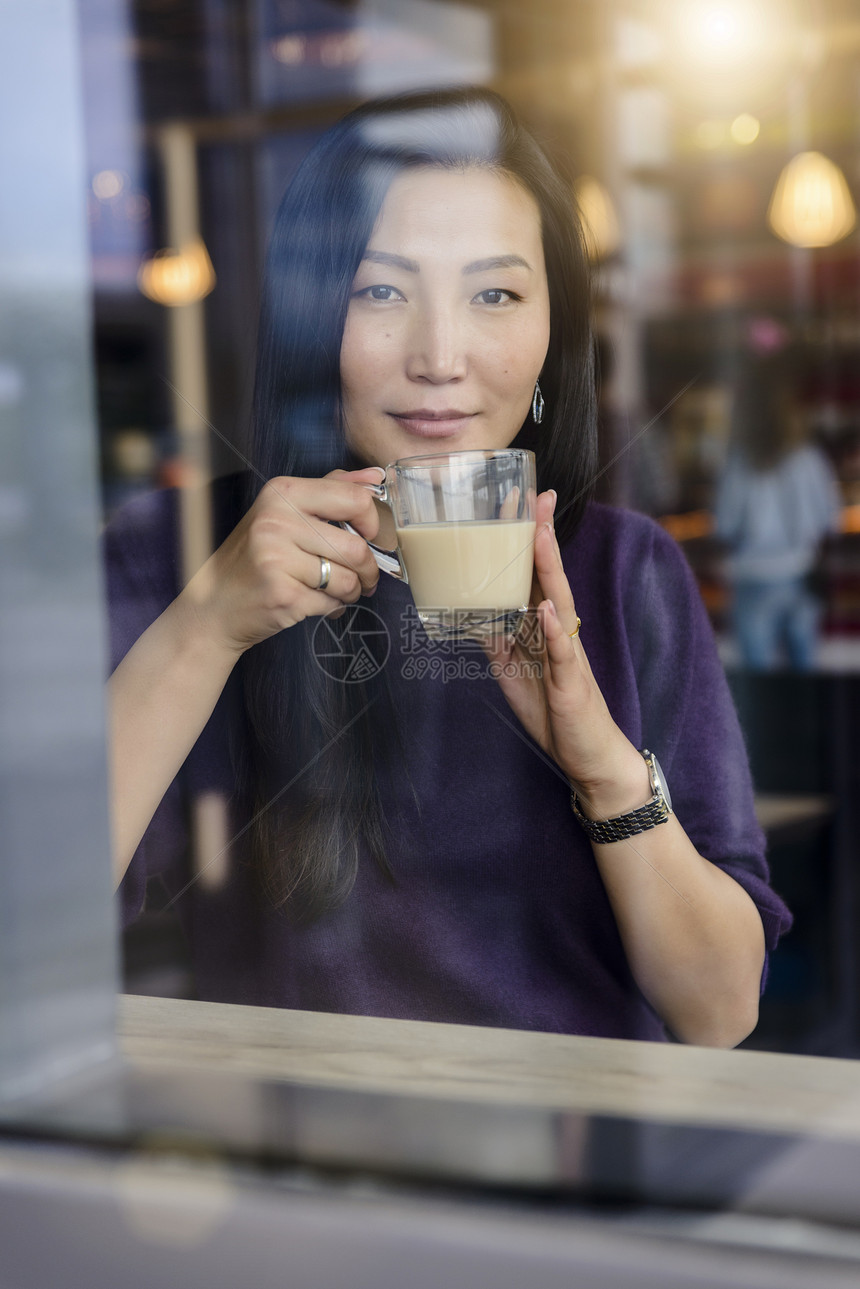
[308,730]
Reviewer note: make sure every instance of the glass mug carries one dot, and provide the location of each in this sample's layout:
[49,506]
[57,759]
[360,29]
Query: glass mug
[465,524]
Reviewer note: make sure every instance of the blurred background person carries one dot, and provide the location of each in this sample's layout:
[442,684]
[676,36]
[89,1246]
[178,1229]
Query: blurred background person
[777,500]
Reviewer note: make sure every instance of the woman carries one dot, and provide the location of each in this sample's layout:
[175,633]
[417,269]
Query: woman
[403,847]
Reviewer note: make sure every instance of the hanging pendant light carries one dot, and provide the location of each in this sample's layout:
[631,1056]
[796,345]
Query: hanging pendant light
[599,220]
[178,277]
[811,204]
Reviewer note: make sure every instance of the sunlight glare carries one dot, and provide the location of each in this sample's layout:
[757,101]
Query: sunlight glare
[717,31]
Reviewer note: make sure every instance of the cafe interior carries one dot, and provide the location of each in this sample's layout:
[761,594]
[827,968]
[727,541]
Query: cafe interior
[712,149]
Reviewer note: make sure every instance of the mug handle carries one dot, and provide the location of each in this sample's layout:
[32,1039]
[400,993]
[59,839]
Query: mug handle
[388,561]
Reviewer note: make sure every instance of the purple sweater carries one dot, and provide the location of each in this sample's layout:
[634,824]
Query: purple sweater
[498,915]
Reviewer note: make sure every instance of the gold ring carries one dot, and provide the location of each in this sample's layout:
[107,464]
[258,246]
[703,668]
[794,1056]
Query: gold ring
[574,634]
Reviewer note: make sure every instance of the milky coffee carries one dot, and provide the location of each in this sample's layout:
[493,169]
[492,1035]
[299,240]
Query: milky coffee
[472,564]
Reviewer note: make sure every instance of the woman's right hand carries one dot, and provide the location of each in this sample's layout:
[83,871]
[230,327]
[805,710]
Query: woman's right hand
[264,576]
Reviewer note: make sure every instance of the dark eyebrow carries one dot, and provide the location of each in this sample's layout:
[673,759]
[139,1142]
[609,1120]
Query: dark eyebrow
[477,266]
[393,261]
[498,262]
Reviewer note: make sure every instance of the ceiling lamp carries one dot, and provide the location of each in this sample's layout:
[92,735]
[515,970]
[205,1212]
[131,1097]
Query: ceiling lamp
[599,220]
[811,204]
[178,277]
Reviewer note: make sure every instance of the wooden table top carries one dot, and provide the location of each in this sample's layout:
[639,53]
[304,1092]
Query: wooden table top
[745,1089]
[782,810]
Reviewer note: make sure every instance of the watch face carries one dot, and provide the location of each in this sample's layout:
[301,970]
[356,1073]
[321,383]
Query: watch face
[660,780]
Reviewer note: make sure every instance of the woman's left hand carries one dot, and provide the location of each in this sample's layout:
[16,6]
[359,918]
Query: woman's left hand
[692,935]
[562,708]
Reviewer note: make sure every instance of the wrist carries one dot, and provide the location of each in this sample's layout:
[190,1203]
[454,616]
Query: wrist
[197,638]
[623,787]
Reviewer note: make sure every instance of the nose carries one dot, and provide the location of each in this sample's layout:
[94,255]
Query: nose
[437,352]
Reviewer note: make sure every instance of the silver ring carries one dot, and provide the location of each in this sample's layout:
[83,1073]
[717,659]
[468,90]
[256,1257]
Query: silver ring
[325,574]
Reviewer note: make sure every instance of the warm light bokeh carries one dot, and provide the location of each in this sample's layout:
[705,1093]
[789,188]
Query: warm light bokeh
[811,204]
[716,32]
[175,278]
[745,129]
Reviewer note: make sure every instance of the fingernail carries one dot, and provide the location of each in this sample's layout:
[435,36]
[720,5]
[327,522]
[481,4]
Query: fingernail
[552,612]
[554,498]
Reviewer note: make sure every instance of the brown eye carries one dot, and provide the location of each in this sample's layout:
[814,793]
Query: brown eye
[495,295]
[381,293]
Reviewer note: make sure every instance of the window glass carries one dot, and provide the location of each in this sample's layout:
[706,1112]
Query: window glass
[342,814]
[722,341]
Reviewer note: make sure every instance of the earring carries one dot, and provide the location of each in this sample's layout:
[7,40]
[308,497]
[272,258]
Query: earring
[537,405]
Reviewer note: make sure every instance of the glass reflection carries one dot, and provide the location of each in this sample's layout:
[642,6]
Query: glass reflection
[697,288]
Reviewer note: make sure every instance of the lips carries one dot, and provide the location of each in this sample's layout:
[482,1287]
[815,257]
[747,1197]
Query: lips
[427,423]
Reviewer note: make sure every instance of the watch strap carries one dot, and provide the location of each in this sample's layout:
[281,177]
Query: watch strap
[654,812]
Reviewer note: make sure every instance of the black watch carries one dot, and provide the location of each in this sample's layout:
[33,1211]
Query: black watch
[655,811]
